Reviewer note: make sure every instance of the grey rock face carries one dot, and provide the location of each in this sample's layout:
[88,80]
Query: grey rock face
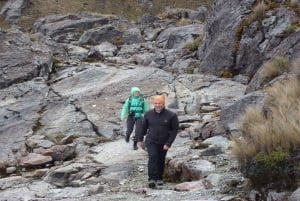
[67,27]
[13,10]
[21,59]
[99,35]
[217,50]
[19,108]
[231,45]
[270,40]
[177,37]
[231,114]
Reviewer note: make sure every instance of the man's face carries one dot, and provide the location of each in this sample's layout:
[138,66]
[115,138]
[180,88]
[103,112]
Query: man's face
[158,106]
[136,94]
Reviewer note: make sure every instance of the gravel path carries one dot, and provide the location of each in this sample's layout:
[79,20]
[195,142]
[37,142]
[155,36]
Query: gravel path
[135,187]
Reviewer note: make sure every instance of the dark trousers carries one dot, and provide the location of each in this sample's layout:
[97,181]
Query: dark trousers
[156,162]
[131,121]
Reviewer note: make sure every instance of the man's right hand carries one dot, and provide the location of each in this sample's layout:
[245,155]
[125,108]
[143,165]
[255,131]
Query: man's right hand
[141,144]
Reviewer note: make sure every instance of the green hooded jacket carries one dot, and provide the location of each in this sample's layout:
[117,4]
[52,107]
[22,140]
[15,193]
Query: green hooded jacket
[136,106]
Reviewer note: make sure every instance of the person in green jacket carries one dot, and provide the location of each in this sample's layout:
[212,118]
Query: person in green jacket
[134,108]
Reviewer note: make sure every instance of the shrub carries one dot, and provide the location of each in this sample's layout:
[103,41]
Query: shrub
[294,27]
[296,66]
[274,68]
[259,11]
[294,3]
[193,46]
[226,73]
[190,69]
[118,41]
[269,147]
[199,145]
[183,22]
[3,23]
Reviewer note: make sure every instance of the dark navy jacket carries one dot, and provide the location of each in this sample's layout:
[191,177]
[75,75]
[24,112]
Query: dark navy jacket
[161,128]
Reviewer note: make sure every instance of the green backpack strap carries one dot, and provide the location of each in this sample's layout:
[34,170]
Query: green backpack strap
[142,101]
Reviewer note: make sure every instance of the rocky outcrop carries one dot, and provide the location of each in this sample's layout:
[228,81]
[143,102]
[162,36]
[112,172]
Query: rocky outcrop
[177,37]
[236,44]
[62,28]
[217,51]
[231,114]
[21,59]
[13,10]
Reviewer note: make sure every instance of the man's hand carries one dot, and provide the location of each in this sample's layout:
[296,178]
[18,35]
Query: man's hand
[166,147]
[141,144]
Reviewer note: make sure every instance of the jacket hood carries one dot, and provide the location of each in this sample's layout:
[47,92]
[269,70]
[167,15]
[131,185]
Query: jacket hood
[134,89]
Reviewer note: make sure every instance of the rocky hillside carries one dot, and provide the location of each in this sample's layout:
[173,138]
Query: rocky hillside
[24,13]
[62,86]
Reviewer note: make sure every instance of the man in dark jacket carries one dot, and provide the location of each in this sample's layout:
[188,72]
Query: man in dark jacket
[161,126]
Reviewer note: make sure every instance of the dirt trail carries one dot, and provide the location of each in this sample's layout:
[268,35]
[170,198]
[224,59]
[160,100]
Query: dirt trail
[118,152]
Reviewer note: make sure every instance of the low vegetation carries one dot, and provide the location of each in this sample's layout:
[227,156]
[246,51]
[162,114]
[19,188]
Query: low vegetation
[131,9]
[296,66]
[3,23]
[193,46]
[269,148]
[259,11]
[294,27]
[274,68]
[294,3]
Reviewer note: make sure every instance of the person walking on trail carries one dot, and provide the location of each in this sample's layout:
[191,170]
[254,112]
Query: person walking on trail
[134,108]
[161,126]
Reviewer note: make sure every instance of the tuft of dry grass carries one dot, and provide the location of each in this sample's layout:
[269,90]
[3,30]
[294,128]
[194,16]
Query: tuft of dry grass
[294,3]
[278,130]
[4,24]
[284,104]
[193,46]
[267,151]
[274,68]
[183,22]
[291,29]
[259,11]
[296,66]
[251,128]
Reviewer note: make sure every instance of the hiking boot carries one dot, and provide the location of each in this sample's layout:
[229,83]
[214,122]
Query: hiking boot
[151,184]
[135,147]
[127,138]
[159,182]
